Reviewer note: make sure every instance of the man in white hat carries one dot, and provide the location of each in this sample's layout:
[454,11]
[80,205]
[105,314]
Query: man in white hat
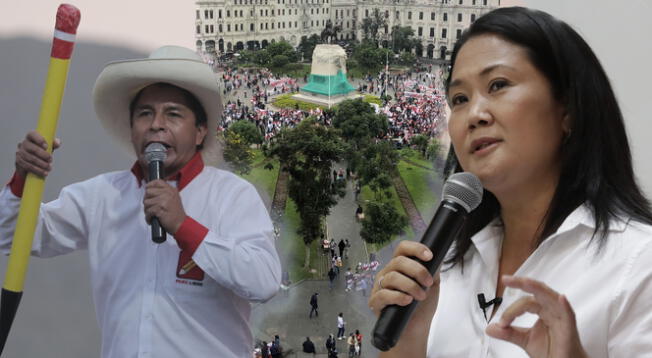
[186,297]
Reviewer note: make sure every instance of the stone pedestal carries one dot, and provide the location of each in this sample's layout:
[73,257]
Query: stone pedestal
[327,84]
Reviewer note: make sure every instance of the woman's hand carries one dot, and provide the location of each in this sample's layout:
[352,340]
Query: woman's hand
[554,335]
[400,282]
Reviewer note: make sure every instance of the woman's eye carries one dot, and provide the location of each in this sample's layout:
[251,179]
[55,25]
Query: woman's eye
[458,99]
[496,85]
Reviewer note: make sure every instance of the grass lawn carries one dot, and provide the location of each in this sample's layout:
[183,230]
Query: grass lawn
[367,195]
[260,177]
[416,179]
[292,247]
[414,156]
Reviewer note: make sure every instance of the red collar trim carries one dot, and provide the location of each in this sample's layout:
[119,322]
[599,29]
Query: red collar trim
[183,177]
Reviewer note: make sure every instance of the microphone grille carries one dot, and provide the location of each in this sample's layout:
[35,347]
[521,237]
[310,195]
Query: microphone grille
[155,152]
[464,189]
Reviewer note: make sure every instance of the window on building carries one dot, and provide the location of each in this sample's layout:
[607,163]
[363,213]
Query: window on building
[432,32]
[240,13]
[398,15]
[266,12]
[219,14]
[366,13]
[420,31]
[348,12]
[459,17]
[484,2]
[212,29]
[432,16]
[458,34]
[205,14]
[272,26]
[386,28]
[473,2]
[311,12]
[409,15]
[272,12]
[197,17]
[198,29]
[461,2]
[219,27]
[251,27]
[295,24]
[211,13]
[235,13]
[420,15]
[261,25]
[261,12]
[206,28]
[443,33]
[228,27]
[445,17]
[228,13]
[472,17]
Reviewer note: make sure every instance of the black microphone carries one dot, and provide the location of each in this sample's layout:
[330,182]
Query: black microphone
[155,155]
[462,193]
[484,304]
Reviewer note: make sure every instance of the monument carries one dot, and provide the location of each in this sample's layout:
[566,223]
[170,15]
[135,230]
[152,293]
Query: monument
[327,84]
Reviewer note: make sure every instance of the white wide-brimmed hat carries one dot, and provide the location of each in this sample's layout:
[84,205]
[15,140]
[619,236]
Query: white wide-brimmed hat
[121,81]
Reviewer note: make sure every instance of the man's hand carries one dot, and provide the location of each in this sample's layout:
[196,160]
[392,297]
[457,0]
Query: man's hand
[163,201]
[32,155]
[554,335]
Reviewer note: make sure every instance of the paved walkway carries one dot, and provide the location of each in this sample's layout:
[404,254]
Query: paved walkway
[287,313]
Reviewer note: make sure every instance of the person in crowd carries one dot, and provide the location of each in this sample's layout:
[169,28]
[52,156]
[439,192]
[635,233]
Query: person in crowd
[563,231]
[309,346]
[314,305]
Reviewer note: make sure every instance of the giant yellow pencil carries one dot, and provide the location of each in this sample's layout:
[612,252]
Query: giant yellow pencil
[68,18]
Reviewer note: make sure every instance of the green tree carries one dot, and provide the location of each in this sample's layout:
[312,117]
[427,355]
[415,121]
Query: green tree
[377,165]
[421,142]
[403,39]
[279,61]
[247,131]
[238,153]
[407,58]
[381,222]
[308,152]
[369,57]
[263,57]
[359,122]
[282,48]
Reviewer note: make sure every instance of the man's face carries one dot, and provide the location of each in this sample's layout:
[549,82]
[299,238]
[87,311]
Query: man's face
[162,114]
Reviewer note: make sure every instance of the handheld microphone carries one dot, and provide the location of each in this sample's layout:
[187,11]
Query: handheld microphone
[155,155]
[462,193]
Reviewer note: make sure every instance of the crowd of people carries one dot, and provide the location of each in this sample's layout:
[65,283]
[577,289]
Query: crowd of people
[418,107]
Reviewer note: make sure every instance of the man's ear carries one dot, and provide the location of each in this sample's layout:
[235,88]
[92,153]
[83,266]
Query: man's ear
[201,134]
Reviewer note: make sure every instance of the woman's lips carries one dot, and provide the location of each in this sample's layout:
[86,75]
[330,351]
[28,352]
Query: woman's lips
[483,145]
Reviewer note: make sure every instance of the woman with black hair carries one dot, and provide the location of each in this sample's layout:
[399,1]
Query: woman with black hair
[563,234]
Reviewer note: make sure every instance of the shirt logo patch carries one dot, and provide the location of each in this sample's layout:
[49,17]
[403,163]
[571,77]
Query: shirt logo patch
[188,270]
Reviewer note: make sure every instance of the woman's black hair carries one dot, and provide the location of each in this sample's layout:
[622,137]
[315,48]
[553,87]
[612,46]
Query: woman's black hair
[596,163]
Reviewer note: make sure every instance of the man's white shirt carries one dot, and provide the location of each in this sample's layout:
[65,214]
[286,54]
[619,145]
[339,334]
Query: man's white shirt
[144,306]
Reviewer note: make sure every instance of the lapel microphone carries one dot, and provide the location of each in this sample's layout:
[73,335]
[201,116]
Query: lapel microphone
[484,304]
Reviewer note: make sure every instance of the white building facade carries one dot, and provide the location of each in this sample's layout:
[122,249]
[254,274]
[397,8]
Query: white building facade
[223,26]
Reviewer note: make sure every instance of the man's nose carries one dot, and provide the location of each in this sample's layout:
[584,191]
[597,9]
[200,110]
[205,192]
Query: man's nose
[159,122]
